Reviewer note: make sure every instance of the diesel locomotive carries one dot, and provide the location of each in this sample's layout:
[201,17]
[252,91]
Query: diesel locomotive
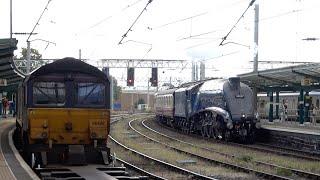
[64,111]
[219,108]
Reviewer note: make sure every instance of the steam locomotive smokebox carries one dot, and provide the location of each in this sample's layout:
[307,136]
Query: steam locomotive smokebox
[234,82]
[76,155]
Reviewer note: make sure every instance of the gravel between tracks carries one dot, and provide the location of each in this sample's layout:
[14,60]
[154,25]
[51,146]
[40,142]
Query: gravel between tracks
[125,135]
[245,156]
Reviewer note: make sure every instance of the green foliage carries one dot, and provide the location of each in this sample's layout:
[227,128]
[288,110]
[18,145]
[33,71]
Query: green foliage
[284,172]
[34,53]
[116,90]
[245,158]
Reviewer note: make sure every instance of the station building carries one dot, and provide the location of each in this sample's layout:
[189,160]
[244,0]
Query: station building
[136,100]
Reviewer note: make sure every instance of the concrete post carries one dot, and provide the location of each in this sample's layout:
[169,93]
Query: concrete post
[193,72]
[10,19]
[256,37]
[255,58]
[28,57]
[148,95]
[202,70]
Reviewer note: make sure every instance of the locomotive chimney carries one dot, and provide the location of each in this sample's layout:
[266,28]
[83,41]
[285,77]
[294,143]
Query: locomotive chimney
[234,82]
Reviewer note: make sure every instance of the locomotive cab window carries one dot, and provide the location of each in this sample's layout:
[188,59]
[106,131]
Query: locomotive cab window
[49,93]
[92,94]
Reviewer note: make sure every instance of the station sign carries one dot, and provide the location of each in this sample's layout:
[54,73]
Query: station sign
[305,82]
[3,82]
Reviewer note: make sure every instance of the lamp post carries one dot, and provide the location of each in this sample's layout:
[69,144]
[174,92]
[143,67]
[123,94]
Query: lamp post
[10,19]
[29,52]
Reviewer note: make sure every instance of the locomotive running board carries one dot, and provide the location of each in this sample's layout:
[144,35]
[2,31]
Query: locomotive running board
[76,155]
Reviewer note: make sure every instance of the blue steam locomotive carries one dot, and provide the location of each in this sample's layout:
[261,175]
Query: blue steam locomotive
[219,108]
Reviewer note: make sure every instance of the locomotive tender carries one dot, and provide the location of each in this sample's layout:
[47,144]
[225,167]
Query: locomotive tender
[218,108]
[64,109]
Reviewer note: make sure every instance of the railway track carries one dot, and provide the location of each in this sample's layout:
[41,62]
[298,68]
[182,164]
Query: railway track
[166,169]
[221,163]
[279,150]
[295,152]
[94,172]
[297,172]
[120,170]
[184,172]
[267,148]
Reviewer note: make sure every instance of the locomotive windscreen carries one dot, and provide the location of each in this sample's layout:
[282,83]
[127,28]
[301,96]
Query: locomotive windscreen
[239,99]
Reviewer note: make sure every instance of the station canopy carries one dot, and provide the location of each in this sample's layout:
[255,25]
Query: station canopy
[292,78]
[9,74]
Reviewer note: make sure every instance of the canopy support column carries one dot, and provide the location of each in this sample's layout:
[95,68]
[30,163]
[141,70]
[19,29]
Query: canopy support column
[277,104]
[271,107]
[301,115]
[307,104]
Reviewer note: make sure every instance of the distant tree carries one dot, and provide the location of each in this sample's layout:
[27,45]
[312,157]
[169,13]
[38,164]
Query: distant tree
[116,90]
[34,55]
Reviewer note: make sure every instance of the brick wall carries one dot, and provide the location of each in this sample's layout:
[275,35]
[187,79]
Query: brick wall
[128,99]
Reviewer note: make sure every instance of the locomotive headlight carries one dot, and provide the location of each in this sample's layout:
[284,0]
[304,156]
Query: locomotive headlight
[93,135]
[243,115]
[45,125]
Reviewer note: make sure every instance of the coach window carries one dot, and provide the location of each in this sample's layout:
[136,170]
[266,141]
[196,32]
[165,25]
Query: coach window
[49,93]
[90,94]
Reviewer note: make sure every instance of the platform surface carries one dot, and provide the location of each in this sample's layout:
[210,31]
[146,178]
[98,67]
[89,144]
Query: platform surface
[10,167]
[292,126]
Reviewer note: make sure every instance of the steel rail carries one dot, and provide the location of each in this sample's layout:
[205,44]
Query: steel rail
[253,147]
[142,171]
[225,164]
[295,171]
[171,166]
[305,154]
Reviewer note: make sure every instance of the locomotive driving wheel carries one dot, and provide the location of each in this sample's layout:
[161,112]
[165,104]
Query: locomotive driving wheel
[220,130]
[209,131]
[206,130]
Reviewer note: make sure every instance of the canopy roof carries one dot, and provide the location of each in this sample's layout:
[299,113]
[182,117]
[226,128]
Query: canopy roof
[68,65]
[8,70]
[288,78]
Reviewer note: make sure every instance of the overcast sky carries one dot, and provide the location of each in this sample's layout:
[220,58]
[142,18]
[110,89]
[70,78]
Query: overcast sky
[96,27]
